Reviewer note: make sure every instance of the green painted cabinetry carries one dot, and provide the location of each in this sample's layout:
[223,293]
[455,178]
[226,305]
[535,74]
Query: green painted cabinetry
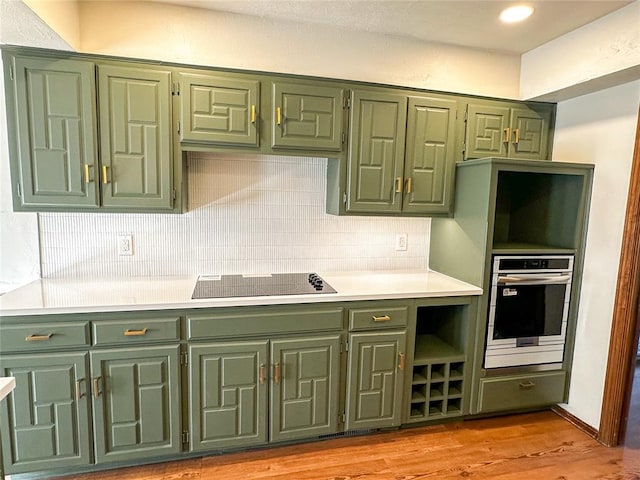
[307,116]
[46,418]
[503,129]
[219,109]
[52,132]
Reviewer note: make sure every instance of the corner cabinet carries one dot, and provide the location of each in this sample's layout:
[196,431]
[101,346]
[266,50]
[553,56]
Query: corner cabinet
[402,154]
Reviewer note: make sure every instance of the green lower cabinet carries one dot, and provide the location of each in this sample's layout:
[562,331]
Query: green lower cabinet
[136,402]
[46,417]
[228,394]
[375,379]
[305,387]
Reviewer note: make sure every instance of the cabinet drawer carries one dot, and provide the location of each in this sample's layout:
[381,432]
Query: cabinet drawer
[248,323]
[43,336]
[525,391]
[127,332]
[379,317]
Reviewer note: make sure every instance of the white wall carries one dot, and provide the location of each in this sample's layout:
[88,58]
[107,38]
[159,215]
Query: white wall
[598,128]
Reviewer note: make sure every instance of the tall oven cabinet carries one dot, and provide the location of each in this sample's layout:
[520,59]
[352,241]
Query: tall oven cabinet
[514,207]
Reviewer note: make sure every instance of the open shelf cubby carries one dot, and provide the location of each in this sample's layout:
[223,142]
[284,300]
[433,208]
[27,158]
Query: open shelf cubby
[439,362]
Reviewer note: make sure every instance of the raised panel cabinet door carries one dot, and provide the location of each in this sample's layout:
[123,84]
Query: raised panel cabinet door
[375,380]
[228,394]
[488,131]
[376,152]
[530,134]
[430,157]
[307,117]
[305,387]
[55,132]
[219,110]
[136,402]
[45,420]
[135,138]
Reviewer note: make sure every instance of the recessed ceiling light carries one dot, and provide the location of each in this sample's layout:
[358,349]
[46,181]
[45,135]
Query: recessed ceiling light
[516,13]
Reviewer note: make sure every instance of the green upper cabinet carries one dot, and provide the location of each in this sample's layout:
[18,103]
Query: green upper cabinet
[503,129]
[136,402]
[52,132]
[431,155]
[46,418]
[219,109]
[307,116]
[135,137]
[376,152]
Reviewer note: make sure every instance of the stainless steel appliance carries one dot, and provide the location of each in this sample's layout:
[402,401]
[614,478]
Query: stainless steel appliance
[216,286]
[529,304]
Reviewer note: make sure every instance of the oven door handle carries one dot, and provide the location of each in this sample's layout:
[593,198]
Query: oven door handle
[534,280]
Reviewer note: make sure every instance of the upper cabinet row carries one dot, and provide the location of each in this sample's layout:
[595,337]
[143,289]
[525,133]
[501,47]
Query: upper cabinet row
[95,134]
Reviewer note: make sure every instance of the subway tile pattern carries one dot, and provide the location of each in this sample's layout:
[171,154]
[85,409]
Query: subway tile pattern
[247,214]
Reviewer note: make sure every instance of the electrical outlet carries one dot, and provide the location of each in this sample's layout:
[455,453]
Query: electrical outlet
[401,242]
[125,244]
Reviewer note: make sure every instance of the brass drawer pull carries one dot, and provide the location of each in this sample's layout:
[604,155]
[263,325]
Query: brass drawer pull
[38,338]
[135,333]
[105,178]
[383,318]
[79,393]
[527,386]
[507,135]
[402,361]
[87,177]
[276,373]
[253,114]
[409,185]
[398,184]
[278,116]
[262,373]
[96,387]
[516,134]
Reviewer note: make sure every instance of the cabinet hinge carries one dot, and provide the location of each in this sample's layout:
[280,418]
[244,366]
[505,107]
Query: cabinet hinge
[348,103]
[346,346]
[343,417]
[178,127]
[344,197]
[175,90]
[344,137]
[185,437]
[184,358]
[466,115]
[19,190]
[11,72]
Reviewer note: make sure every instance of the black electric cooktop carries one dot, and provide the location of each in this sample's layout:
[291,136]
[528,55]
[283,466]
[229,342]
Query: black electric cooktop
[220,286]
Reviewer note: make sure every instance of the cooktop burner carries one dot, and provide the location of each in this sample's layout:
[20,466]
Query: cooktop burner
[219,286]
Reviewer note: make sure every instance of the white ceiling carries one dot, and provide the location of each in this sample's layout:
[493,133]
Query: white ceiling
[465,23]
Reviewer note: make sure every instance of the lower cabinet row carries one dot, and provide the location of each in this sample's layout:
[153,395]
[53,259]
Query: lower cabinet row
[126,404]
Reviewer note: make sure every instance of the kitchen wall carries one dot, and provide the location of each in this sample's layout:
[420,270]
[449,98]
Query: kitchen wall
[247,214]
[598,128]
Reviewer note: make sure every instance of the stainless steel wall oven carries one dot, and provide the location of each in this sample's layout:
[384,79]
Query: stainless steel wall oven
[528,310]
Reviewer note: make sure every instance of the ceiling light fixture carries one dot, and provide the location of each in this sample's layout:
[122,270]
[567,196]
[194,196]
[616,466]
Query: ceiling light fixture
[515,14]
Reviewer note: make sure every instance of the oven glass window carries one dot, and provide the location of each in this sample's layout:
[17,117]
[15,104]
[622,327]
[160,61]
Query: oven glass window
[528,311]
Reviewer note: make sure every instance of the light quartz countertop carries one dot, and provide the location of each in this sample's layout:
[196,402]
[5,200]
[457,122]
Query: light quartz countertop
[92,295]
[7,384]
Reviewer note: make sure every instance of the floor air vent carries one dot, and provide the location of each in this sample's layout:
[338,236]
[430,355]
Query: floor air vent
[350,433]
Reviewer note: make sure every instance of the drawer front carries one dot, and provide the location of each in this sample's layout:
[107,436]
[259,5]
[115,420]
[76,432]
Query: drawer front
[134,331]
[43,336]
[379,317]
[526,391]
[242,324]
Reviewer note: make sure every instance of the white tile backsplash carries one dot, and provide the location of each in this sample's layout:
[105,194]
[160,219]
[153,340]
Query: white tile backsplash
[247,214]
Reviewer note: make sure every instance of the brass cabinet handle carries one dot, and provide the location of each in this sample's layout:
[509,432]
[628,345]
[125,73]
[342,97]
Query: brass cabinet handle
[398,184]
[516,134]
[87,177]
[38,338]
[105,180]
[527,386]
[79,393]
[96,387]
[278,115]
[135,333]
[402,360]
[507,135]
[409,185]
[383,318]
[276,373]
[262,374]
[253,114]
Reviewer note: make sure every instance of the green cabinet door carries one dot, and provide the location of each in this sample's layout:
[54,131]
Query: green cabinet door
[307,117]
[530,135]
[136,395]
[375,380]
[228,394]
[304,387]
[488,130]
[52,131]
[376,152]
[430,157]
[45,420]
[135,137]
[219,109]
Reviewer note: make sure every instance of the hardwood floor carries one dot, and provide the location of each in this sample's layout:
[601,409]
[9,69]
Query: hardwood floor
[535,446]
